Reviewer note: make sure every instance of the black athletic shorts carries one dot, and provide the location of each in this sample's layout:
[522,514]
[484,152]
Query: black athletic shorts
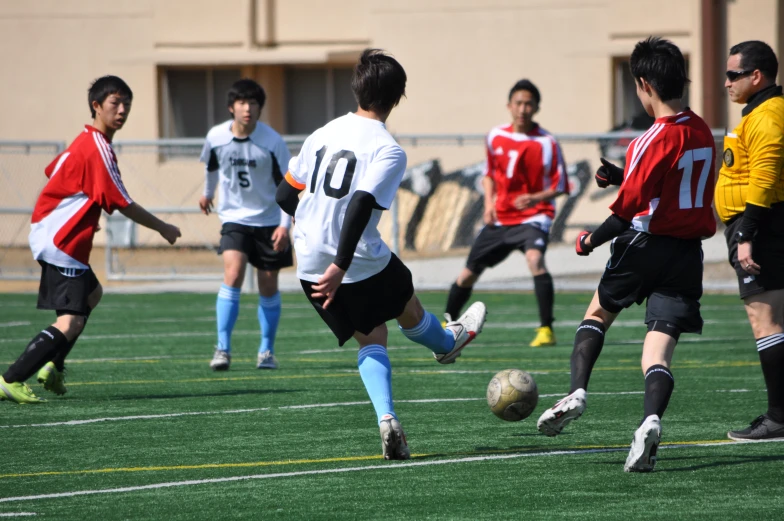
[495,243]
[665,270]
[767,250]
[363,306]
[256,243]
[65,290]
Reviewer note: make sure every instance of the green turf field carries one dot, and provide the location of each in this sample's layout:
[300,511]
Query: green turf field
[147,431]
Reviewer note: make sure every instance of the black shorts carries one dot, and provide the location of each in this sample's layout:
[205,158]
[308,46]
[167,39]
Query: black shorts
[767,250]
[256,243]
[665,270]
[495,243]
[65,290]
[363,306]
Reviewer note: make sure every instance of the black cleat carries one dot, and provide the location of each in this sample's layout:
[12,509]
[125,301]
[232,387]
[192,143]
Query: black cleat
[762,428]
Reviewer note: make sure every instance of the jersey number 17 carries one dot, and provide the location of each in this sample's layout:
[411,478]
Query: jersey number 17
[686,165]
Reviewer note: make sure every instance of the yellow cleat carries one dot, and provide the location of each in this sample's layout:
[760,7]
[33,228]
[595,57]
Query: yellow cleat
[18,392]
[52,379]
[544,337]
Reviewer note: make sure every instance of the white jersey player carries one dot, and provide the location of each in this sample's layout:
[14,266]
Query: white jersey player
[245,159]
[348,173]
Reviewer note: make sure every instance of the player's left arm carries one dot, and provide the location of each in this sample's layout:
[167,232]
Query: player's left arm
[280,156]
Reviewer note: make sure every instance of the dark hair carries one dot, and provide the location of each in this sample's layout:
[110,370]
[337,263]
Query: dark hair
[756,55]
[104,87]
[661,64]
[378,82]
[526,85]
[246,89]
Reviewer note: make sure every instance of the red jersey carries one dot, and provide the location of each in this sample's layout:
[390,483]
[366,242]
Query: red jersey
[669,179]
[524,164]
[83,180]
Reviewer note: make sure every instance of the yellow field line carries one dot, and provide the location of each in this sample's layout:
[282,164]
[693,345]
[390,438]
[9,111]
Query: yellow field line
[323,460]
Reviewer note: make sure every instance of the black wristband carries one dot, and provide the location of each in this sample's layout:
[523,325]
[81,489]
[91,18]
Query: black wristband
[611,228]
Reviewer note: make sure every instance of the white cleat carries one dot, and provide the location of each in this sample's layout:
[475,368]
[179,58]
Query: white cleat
[465,330]
[554,419]
[266,360]
[221,360]
[393,439]
[642,455]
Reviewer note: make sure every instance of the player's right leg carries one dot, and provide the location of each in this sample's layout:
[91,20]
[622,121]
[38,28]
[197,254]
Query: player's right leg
[227,306]
[488,250]
[588,343]
[422,327]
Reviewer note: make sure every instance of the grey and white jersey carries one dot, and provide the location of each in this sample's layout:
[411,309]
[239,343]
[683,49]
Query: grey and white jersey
[249,171]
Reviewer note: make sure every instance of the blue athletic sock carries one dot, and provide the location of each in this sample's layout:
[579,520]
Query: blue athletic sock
[269,316]
[430,334]
[376,373]
[226,309]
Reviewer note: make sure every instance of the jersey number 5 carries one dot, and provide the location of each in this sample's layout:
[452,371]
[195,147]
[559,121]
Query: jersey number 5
[348,175]
[244,181]
[686,164]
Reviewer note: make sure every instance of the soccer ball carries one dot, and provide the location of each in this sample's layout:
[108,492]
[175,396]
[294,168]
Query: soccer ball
[512,395]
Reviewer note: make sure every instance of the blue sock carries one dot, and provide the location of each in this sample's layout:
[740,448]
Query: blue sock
[376,373]
[269,316]
[227,308]
[430,334]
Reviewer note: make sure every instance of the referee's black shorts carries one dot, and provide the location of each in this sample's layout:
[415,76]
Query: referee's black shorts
[665,270]
[495,243]
[767,250]
[363,306]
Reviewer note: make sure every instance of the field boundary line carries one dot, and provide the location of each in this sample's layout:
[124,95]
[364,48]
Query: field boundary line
[390,466]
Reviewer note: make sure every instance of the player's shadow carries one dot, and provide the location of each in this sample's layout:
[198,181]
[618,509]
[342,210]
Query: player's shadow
[728,462]
[240,392]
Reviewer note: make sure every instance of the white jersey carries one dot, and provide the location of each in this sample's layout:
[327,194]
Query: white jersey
[348,154]
[250,171]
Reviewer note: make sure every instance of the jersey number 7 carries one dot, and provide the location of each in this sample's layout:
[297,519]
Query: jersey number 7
[348,175]
[686,164]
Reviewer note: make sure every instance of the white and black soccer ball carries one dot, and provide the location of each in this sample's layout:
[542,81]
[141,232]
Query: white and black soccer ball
[512,395]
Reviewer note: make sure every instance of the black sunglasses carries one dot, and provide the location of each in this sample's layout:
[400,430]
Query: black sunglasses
[734,75]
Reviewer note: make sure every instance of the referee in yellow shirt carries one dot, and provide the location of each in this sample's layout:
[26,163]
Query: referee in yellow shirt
[750,201]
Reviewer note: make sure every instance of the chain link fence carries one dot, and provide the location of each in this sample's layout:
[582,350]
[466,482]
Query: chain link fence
[437,212]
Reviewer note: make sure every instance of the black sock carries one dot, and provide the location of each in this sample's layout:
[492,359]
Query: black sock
[38,352]
[771,353]
[658,389]
[543,288]
[588,344]
[59,358]
[457,300]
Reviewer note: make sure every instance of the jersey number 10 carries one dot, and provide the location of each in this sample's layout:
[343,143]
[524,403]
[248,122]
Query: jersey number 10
[348,175]
[686,164]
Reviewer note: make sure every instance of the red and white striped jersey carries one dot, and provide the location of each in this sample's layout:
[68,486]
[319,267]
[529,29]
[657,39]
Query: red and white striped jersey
[524,164]
[669,179]
[83,180]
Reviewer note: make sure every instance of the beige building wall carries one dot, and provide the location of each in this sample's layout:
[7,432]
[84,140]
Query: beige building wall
[461,55]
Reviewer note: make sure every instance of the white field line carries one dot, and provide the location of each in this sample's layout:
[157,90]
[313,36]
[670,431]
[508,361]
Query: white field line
[71,423]
[17,514]
[16,323]
[387,467]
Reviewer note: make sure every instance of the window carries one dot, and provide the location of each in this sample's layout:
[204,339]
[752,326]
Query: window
[194,100]
[627,109]
[315,96]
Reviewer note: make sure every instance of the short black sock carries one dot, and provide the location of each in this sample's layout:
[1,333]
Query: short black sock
[771,353]
[545,296]
[659,383]
[457,300]
[588,343]
[38,352]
